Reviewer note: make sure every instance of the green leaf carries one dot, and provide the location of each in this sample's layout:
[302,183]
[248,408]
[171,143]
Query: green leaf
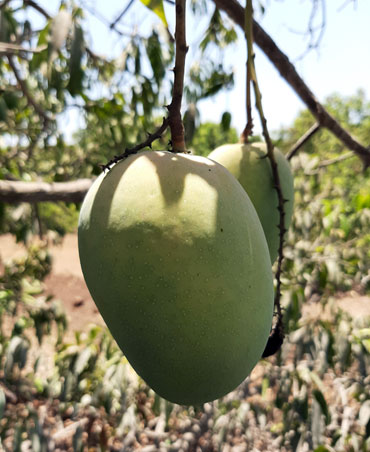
[157,7]
[82,361]
[319,397]
[154,52]
[75,71]
[321,449]
[189,123]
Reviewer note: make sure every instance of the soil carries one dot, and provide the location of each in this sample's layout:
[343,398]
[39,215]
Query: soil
[67,284]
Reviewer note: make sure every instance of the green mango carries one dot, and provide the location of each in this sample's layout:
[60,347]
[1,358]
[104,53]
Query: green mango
[174,256]
[247,163]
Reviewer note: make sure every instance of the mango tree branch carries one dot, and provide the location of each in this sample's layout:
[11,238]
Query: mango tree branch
[302,140]
[248,32]
[287,70]
[147,143]
[33,192]
[175,120]
[31,101]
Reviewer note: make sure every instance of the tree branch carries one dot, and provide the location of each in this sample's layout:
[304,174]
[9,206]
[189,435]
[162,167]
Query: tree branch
[37,7]
[304,138]
[289,73]
[31,101]
[119,17]
[19,191]
[8,48]
[147,143]
[4,3]
[248,32]
[175,120]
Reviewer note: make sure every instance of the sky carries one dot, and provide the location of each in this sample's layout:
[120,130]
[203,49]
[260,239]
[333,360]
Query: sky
[340,64]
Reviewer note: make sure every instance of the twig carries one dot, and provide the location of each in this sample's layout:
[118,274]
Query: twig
[289,73]
[277,334]
[47,16]
[4,3]
[248,31]
[7,47]
[147,143]
[329,162]
[304,138]
[113,24]
[175,120]
[37,7]
[30,99]
[314,41]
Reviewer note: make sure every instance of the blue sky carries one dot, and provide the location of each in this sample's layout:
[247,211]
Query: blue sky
[341,64]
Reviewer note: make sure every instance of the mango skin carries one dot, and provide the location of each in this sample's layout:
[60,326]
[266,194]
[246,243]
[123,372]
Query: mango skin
[175,258]
[254,173]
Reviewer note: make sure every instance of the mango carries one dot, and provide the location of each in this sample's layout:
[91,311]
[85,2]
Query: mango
[175,257]
[253,171]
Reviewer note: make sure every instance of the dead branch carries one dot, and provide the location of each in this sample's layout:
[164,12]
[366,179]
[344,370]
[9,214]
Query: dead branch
[7,47]
[287,70]
[33,192]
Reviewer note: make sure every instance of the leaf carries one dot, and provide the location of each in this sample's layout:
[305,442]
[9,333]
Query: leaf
[154,51]
[82,361]
[157,7]
[16,354]
[319,397]
[75,71]
[189,123]
[364,414]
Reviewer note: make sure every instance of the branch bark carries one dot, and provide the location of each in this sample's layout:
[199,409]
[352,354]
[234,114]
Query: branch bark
[287,70]
[176,124]
[302,140]
[32,192]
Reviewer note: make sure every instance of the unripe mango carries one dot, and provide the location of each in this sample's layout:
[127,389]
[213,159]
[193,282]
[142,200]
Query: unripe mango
[247,163]
[175,257]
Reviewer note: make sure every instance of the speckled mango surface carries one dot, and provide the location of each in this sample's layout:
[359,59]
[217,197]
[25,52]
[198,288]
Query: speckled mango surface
[175,258]
[253,171]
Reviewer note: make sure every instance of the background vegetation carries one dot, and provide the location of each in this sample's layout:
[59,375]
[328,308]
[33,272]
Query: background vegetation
[313,395]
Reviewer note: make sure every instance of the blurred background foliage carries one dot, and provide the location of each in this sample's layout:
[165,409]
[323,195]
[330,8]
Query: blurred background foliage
[313,395]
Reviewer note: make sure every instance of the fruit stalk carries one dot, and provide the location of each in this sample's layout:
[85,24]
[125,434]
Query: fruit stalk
[175,120]
[277,333]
